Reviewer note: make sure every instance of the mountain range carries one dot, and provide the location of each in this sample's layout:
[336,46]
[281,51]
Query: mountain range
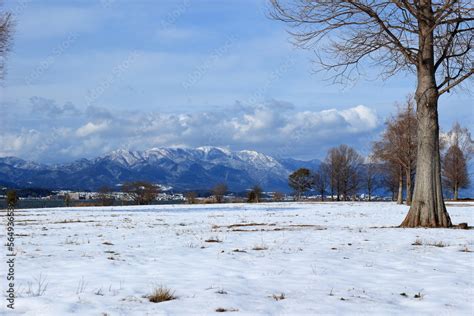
[181,168]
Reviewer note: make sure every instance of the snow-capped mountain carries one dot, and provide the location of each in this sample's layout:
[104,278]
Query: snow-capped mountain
[181,168]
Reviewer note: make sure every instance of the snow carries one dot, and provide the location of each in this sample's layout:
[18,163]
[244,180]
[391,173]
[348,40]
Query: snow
[327,258]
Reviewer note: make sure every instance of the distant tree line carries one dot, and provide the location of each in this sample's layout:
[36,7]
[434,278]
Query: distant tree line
[340,175]
[390,165]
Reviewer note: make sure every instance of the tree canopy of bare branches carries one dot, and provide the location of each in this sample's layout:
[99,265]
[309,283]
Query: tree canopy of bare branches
[345,33]
[6,27]
[432,39]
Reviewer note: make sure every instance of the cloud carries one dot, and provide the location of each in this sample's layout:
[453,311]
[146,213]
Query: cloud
[91,128]
[274,127]
[49,107]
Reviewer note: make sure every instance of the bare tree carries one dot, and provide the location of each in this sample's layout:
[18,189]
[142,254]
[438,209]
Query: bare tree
[456,159]
[105,196]
[391,175]
[67,200]
[398,145]
[461,137]
[371,177]
[6,27]
[300,181]
[278,197]
[455,175]
[432,39]
[219,191]
[350,172]
[321,180]
[254,194]
[344,165]
[141,192]
[190,197]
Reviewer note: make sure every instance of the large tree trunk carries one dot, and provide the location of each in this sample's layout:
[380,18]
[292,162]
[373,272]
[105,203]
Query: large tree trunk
[400,187]
[427,208]
[408,185]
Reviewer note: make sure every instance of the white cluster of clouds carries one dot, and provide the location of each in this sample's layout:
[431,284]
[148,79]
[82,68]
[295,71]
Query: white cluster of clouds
[49,132]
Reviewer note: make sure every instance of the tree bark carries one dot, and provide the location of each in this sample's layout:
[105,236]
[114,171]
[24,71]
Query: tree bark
[408,186]
[400,187]
[456,193]
[427,208]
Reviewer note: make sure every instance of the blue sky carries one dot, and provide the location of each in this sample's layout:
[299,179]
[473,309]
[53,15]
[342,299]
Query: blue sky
[88,77]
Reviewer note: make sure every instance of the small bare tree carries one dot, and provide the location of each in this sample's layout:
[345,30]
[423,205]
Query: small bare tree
[392,174]
[278,196]
[456,159]
[67,200]
[219,191]
[371,177]
[455,174]
[461,137]
[141,192]
[344,169]
[321,180]
[190,197]
[432,39]
[105,196]
[254,194]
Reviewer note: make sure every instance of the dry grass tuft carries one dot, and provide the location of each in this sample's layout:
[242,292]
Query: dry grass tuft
[213,239]
[239,250]
[279,297]
[439,244]
[418,242]
[260,247]
[161,294]
[223,310]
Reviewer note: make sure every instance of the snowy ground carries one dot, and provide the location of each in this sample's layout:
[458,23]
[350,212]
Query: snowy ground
[327,258]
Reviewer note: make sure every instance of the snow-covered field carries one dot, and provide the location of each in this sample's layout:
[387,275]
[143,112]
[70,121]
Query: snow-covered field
[326,258]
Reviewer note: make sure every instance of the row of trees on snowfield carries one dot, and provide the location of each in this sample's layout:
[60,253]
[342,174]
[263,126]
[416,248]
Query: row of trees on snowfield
[391,165]
[340,175]
[397,151]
